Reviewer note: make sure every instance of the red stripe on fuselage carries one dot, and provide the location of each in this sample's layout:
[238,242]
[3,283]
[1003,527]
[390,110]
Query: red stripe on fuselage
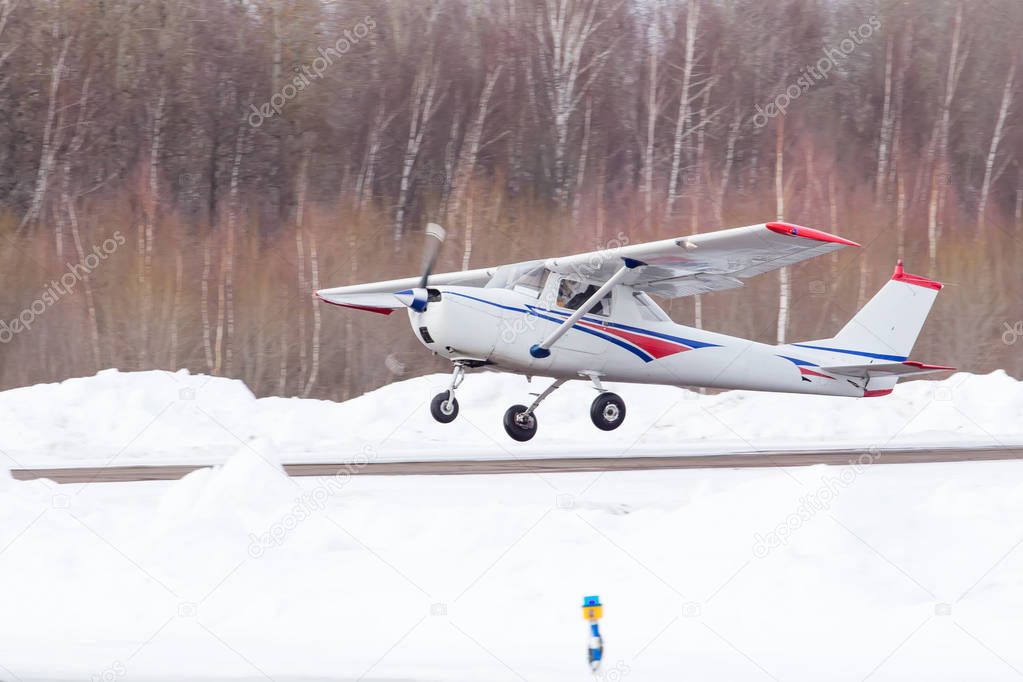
[809,372]
[658,348]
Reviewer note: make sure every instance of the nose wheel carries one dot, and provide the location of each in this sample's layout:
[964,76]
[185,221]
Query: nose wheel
[607,411]
[444,406]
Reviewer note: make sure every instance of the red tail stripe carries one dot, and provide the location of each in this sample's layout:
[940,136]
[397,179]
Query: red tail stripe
[658,348]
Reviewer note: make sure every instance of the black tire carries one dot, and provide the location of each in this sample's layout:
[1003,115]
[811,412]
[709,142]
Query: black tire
[607,411]
[518,429]
[442,410]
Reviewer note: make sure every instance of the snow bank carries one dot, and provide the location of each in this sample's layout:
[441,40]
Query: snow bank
[159,417]
[889,572]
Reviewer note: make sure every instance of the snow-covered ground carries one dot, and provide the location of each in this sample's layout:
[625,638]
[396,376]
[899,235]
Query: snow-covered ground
[888,572]
[159,417]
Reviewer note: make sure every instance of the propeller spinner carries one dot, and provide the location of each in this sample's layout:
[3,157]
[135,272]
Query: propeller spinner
[416,299]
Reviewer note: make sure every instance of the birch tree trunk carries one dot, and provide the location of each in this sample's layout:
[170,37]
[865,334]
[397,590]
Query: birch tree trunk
[204,305]
[683,115]
[652,111]
[466,164]
[996,139]
[151,206]
[424,91]
[884,140]
[300,266]
[223,348]
[726,169]
[68,201]
[784,283]
[367,176]
[314,273]
[51,137]
[940,174]
[584,159]
[176,309]
[564,29]
[1018,215]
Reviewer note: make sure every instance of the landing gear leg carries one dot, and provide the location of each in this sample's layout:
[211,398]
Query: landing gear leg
[519,420]
[444,406]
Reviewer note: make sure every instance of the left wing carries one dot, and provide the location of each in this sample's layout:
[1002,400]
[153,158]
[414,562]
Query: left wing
[378,297]
[712,261]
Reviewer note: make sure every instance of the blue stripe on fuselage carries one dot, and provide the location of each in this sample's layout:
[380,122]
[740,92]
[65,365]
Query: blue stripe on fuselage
[546,315]
[798,362]
[864,354]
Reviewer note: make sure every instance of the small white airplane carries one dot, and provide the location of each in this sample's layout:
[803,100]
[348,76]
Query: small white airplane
[590,316]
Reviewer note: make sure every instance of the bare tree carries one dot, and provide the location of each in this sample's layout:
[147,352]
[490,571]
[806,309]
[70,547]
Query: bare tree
[990,175]
[682,117]
[423,107]
[784,276]
[565,29]
[51,132]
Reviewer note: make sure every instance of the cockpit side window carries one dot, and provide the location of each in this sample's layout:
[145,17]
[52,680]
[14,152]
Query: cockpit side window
[648,310]
[572,294]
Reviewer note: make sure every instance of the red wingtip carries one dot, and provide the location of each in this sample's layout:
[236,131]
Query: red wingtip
[808,232]
[368,308]
[900,275]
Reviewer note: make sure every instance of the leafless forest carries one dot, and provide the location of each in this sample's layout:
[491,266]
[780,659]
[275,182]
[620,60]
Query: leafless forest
[200,166]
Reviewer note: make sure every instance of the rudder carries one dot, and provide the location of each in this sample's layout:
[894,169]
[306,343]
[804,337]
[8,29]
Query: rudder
[888,325]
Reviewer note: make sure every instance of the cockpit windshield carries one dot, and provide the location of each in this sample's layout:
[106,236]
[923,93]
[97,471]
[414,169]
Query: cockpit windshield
[528,277]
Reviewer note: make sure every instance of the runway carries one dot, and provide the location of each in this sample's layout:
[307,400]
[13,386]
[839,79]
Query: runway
[546,465]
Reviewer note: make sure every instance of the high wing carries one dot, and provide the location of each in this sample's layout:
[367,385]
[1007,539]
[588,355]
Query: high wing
[378,297]
[700,263]
[672,268]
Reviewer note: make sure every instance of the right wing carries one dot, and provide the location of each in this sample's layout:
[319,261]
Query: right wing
[711,261]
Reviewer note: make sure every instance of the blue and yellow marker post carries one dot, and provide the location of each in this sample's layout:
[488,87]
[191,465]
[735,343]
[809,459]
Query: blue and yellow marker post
[592,612]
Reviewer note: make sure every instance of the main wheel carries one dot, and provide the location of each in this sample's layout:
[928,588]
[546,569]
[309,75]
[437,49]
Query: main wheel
[518,424]
[607,411]
[442,409]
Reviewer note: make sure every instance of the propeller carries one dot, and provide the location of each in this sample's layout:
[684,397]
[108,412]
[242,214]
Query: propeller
[435,235]
[416,298]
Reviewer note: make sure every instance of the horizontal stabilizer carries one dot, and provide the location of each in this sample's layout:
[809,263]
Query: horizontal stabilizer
[887,369]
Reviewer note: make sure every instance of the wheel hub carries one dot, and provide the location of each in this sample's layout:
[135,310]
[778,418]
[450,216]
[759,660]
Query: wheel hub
[524,420]
[611,412]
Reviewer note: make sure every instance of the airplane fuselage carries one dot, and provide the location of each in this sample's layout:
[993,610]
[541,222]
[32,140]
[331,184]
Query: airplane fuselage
[634,343]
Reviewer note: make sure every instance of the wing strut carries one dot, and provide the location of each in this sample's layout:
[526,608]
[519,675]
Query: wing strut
[542,349]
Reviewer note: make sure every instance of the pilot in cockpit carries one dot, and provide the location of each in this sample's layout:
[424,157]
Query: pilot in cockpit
[572,295]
